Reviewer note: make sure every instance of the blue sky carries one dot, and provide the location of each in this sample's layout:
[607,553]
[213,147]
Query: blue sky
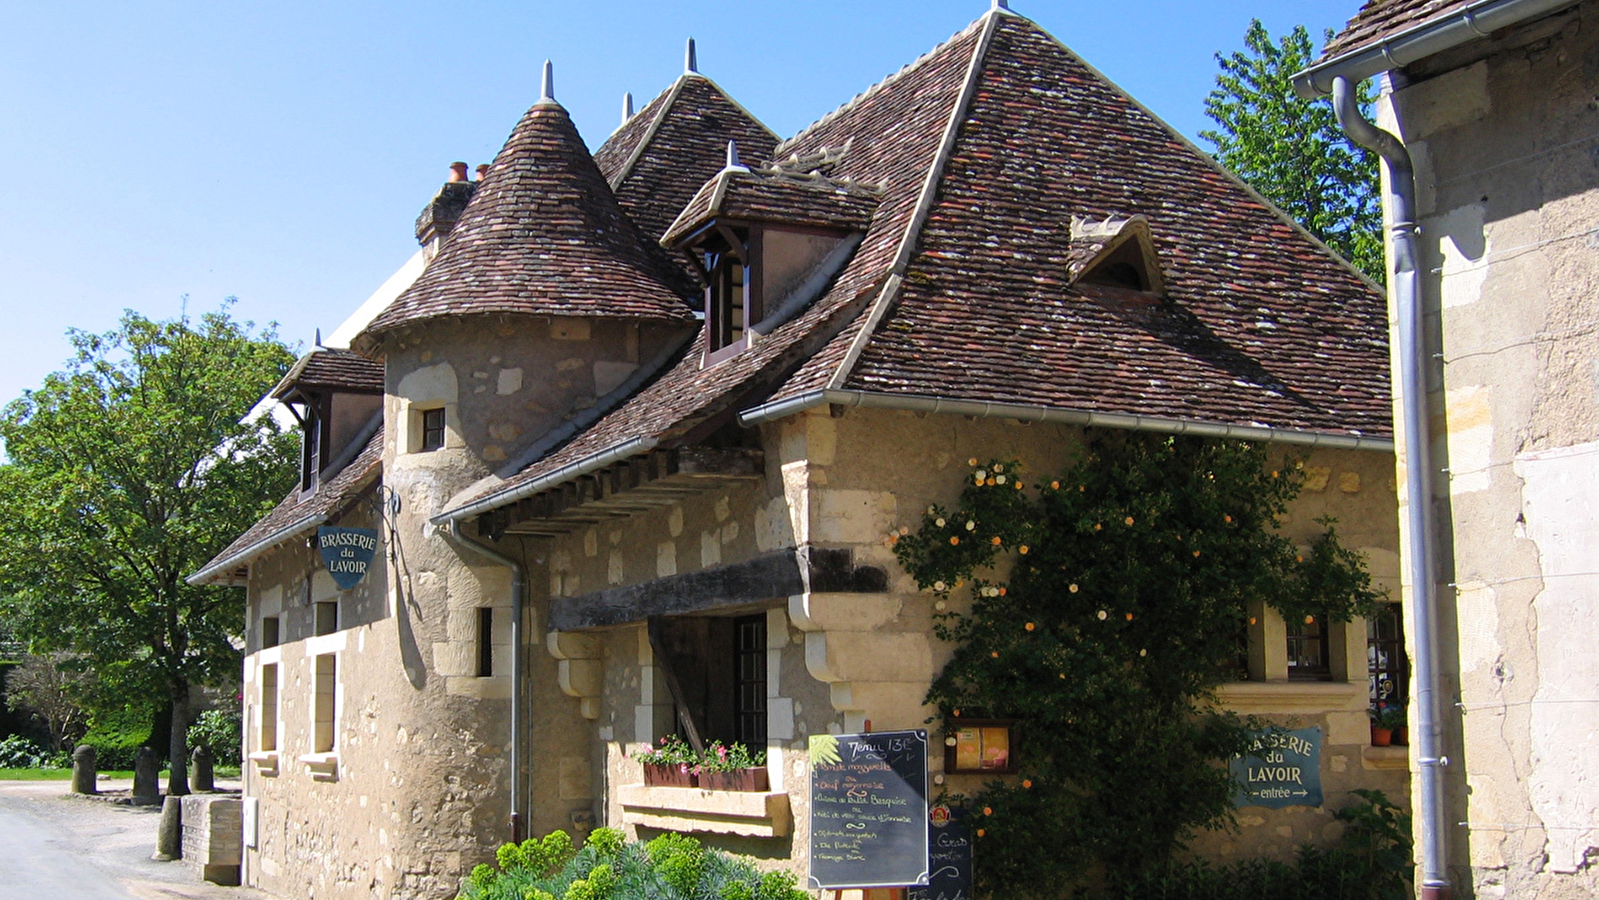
[279,152]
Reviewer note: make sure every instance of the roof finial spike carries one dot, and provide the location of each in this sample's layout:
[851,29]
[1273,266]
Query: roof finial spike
[627,106]
[1001,4]
[691,60]
[319,337]
[547,90]
[733,165]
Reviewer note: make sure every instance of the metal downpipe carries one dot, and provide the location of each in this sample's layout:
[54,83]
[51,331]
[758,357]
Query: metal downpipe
[518,665]
[1418,477]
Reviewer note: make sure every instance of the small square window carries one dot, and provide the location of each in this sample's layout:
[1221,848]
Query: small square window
[327,617]
[433,429]
[269,632]
[1309,653]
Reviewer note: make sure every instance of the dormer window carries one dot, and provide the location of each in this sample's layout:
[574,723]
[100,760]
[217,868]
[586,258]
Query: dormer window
[731,258]
[312,425]
[1118,253]
[337,397]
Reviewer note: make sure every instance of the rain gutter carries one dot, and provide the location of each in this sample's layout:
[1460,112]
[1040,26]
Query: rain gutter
[768,412]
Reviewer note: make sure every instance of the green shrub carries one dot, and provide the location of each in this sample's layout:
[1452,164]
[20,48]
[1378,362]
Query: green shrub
[222,732]
[17,752]
[1370,862]
[608,867]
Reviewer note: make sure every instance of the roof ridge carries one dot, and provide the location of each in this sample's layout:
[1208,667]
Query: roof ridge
[924,202]
[672,93]
[881,85]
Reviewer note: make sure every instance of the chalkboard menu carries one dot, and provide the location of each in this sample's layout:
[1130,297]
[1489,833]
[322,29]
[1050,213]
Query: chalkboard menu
[1282,768]
[949,857]
[869,810]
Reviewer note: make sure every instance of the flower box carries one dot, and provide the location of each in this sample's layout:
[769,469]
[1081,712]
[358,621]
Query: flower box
[751,779]
[668,775]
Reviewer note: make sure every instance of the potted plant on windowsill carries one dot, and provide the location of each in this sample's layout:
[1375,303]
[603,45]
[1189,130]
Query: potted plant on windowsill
[1385,720]
[672,763]
[734,768]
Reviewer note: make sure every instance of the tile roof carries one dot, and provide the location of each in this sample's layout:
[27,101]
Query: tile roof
[906,115]
[984,151]
[1380,19]
[776,196]
[542,235]
[329,368]
[658,160]
[296,515]
[1261,324]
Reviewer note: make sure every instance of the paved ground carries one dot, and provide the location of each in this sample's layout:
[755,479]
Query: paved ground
[56,845]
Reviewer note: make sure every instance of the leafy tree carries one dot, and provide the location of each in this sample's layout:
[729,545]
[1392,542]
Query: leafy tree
[1292,150]
[126,472]
[50,686]
[1106,605]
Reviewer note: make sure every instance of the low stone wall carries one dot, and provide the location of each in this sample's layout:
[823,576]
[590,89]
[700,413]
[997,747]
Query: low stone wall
[213,833]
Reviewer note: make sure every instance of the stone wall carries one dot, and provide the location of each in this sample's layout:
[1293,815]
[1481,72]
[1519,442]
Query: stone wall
[837,661]
[1502,135]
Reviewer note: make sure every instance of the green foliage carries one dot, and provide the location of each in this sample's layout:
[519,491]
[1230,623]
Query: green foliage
[1292,150]
[1372,861]
[670,867]
[17,752]
[729,758]
[222,732]
[126,472]
[672,750]
[1123,607]
[116,733]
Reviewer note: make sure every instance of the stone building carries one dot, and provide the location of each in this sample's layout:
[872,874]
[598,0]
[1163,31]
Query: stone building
[1493,193]
[632,441]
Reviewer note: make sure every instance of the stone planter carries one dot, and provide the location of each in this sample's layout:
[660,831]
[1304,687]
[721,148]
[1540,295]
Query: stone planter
[753,779]
[668,775]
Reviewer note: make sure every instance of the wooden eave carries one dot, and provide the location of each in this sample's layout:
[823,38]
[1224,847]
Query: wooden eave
[630,487]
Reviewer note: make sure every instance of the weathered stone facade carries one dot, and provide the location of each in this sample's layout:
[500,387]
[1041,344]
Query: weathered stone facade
[1501,134]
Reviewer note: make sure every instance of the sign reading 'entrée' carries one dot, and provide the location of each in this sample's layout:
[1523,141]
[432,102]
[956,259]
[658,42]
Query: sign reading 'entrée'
[1283,768]
[868,810]
[347,552]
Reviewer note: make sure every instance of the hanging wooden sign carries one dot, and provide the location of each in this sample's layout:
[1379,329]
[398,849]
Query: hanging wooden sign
[347,553]
[869,810]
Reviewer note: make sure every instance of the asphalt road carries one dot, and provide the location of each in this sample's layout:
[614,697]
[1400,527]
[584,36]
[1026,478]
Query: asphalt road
[55,845]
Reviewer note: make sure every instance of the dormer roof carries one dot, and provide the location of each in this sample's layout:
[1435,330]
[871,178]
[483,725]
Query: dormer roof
[1124,243]
[543,235]
[327,369]
[777,196]
[661,157]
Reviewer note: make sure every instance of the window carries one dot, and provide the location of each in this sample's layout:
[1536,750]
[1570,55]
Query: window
[310,448]
[730,259]
[432,429]
[323,732]
[485,642]
[1309,656]
[715,668]
[749,680]
[269,632]
[268,736]
[1387,669]
[327,617]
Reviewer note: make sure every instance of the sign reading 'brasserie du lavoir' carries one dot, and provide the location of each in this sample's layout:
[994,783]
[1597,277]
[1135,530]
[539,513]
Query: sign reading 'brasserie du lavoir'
[347,552]
[869,810]
[1282,768]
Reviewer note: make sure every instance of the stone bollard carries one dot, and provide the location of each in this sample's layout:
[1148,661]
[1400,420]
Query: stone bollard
[146,776]
[169,834]
[204,777]
[83,773]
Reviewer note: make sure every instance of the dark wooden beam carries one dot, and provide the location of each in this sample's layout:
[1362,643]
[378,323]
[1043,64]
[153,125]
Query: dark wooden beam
[761,579]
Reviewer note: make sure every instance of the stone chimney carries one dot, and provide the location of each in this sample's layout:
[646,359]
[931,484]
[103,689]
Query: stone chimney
[444,210]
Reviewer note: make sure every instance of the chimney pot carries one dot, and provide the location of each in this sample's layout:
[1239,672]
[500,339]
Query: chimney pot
[457,172]
[482,170]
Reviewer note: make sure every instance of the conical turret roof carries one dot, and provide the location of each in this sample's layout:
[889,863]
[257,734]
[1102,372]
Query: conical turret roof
[544,236]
